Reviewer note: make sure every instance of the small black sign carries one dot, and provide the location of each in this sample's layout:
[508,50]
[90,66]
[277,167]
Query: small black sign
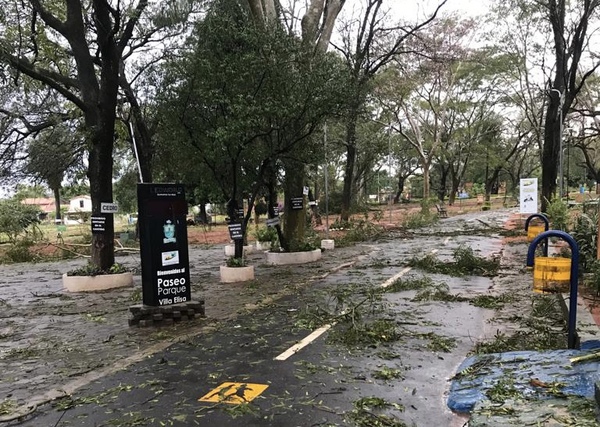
[272,222]
[276,211]
[98,223]
[297,203]
[235,231]
[241,213]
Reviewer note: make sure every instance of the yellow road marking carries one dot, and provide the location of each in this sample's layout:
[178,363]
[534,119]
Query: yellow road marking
[318,332]
[234,393]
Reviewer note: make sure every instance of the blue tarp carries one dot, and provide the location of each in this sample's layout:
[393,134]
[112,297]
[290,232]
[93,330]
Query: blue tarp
[477,374]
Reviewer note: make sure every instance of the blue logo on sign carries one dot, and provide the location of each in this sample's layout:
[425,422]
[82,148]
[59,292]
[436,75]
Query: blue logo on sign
[169,230]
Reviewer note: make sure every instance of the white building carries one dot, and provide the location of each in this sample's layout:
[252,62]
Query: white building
[80,204]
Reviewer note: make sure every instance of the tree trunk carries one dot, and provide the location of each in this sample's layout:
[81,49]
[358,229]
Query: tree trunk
[454,182]
[551,150]
[315,216]
[400,189]
[100,119]
[202,215]
[295,219]
[350,161]
[489,183]
[444,172]
[100,176]
[272,204]
[233,214]
[426,184]
[56,191]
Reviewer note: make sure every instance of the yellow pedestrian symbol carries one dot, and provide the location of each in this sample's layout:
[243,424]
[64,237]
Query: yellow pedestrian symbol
[234,393]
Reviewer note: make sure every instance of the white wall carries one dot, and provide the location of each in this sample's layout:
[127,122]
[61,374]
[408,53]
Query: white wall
[80,204]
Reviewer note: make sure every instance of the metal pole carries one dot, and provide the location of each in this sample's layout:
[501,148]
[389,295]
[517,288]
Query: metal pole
[560,157]
[326,182]
[390,167]
[137,157]
[568,161]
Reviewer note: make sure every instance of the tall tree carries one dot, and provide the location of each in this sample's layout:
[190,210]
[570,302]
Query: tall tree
[78,49]
[51,155]
[88,40]
[569,22]
[245,100]
[368,45]
[317,25]
[424,90]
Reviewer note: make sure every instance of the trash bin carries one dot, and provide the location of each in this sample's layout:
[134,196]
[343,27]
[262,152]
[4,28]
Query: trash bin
[551,274]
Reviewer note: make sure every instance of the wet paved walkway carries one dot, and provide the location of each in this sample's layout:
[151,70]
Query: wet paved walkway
[72,360]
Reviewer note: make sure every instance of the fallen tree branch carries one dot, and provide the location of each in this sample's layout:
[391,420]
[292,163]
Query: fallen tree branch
[69,250]
[585,357]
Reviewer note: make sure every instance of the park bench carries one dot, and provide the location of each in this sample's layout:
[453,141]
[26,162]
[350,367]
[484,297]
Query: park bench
[441,210]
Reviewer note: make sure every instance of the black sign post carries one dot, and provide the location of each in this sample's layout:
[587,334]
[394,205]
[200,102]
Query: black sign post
[236,231]
[98,223]
[297,203]
[162,212]
[272,222]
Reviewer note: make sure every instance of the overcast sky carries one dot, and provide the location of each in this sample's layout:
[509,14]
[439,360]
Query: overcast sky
[425,7]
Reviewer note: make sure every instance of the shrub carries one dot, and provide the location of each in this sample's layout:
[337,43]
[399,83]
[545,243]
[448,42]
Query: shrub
[419,219]
[236,262]
[93,270]
[335,203]
[20,251]
[360,231]
[17,218]
[585,233]
[558,213]
[302,246]
[592,280]
[266,234]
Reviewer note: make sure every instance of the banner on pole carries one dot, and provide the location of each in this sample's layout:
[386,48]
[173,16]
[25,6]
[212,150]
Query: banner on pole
[529,196]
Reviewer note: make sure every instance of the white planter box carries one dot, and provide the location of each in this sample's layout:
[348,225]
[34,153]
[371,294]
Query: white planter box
[328,244]
[285,258]
[236,274]
[97,283]
[230,250]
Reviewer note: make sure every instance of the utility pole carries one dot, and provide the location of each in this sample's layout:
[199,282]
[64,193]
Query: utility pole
[390,168]
[326,182]
[560,141]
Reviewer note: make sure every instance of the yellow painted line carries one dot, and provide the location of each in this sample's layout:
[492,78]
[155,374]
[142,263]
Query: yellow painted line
[395,277]
[318,332]
[234,393]
[304,342]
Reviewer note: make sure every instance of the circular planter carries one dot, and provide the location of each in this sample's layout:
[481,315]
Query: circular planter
[328,244]
[230,250]
[236,274]
[100,282]
[285,258]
